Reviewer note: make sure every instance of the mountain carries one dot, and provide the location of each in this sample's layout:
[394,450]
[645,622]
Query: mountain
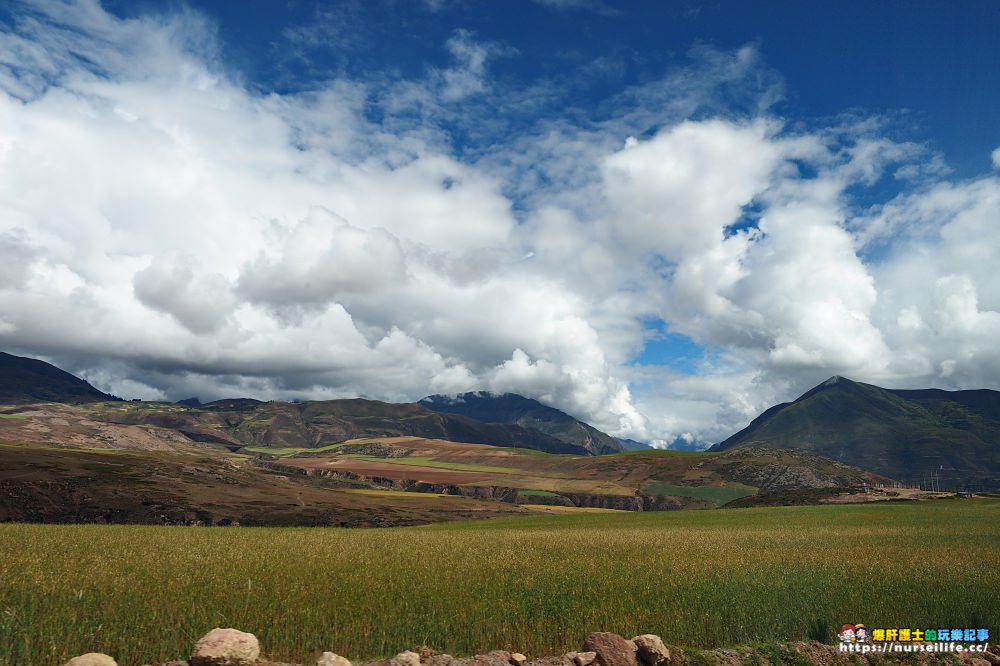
[27,380]
[111,462]
[632,445]
[516,409]
[315,424]
[950,439]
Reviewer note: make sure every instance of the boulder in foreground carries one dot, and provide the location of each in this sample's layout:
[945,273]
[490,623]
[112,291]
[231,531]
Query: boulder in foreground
[331,659]
[225,647]
[92,659]
[650,649]
[611,649]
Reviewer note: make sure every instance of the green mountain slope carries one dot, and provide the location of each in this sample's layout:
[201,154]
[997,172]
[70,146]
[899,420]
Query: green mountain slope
[947,438]
[26,380]
[515,409]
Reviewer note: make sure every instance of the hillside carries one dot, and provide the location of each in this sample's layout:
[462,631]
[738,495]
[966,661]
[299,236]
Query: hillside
[322,423]
[27,380]
[947,438]
[164,463]
[247,422]
[515,409]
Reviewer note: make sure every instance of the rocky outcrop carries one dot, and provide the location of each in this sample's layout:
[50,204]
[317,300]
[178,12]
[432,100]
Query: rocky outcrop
[267,462]
[375,450]
[546,500]
[618,502]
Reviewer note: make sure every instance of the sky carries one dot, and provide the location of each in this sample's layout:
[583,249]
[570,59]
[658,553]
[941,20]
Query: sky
[662,218]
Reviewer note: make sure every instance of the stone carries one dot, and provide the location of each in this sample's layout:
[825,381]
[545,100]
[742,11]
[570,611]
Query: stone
[584,658]
[408,658]
[494,658]
[441,660]
[225,647]
[611,649]
[518,659]
[92,659]
[331,659]
[650,649]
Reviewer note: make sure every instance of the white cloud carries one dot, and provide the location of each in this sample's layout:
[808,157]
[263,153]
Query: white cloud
[321,258]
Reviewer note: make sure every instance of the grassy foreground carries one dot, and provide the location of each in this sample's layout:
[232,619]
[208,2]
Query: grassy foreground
[540,585]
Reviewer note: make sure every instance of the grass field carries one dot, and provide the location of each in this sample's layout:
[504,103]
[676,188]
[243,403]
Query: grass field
[718,494]
[540,585]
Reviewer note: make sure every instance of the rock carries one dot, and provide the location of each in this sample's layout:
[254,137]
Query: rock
[331,659]
[992,658]
[408,658]
[650,649]
[552,661]
[584,658]
[494,658]
[92,659]
[441,660]
[976,661]
[518,659]
[225,647]
[611,649]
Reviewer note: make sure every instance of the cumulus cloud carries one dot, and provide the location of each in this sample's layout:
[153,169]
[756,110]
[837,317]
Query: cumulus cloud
[322,258]
[166,231]
[16,257]
[169,285]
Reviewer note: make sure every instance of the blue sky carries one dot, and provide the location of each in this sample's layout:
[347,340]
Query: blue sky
[660,217]
[930,66]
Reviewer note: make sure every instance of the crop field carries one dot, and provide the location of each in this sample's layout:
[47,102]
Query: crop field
[538,584]
[717,494]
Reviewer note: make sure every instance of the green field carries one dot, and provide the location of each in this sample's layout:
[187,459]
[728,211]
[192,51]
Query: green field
[717,494]
[540,585]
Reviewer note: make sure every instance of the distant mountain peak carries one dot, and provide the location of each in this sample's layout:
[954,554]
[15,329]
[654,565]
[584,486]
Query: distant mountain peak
[512,408]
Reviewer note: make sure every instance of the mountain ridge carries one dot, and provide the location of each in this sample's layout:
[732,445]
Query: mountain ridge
[919,436]
[515,409]
[27,380]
